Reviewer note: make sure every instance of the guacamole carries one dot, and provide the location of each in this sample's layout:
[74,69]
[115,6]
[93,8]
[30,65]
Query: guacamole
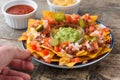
[67,34]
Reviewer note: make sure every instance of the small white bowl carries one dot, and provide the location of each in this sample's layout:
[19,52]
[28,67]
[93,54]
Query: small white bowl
[66,9]
[18,21]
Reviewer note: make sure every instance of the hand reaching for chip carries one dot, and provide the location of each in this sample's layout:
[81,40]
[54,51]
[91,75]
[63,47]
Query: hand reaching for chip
[11,57]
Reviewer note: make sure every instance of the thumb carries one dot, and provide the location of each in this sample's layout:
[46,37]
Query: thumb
[7,54]
[21,54]
[14,52]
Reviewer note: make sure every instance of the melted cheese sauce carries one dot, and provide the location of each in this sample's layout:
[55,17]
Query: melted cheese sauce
[64,2]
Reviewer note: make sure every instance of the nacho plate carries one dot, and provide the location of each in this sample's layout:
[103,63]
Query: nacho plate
[79,65]
[83,43]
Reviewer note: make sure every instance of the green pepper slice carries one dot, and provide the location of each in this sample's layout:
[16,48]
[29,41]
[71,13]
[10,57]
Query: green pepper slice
[82,23]
[54,42]
[39,28]
[59,16]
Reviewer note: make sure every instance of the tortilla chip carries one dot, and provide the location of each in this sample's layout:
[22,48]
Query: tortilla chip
[107,38]
[94,18]
[84,58]
[71,64]
[94,55]
[55,60]
[28,46]
[48,14]
[105,50]
[35,55]
[81,53]
[30,23]
[106,33]
[51,55]
[40,54]
[64,61]
[57,53]
[42,46]
[22,38]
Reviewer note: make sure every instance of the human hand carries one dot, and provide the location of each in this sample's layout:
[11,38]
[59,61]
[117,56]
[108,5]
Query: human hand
[11,57]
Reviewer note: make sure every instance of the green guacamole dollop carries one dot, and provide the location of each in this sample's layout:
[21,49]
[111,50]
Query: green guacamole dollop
[67,34]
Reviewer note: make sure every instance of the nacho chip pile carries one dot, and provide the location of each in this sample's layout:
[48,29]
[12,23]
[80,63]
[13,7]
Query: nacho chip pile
[95,40]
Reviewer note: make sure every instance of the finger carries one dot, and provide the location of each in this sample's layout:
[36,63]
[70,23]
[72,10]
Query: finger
[8,53]
[9,72]
[2,77]
[22,54]
[29,59]
[21,64]
[15,52]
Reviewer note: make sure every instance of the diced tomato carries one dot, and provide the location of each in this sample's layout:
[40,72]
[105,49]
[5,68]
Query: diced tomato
[95,44]
[48,60]
[39,49]
[72,19]
[75,16]
[67,42]
[86,17]
[75,21]
[101,32]
[69,19]
[50,20]
[77,59]
[64,44]
[45,32]
[34,45]
[48,28]
[91,28]
[57,48]
[37,22]
[48,45]
[46,40]
[47,23]
[106,29]
[45,52]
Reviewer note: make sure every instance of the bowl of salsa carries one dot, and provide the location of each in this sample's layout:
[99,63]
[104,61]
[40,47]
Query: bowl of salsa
[20,9]
[17,12]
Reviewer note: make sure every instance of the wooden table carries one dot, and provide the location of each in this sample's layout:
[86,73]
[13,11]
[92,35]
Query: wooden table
[106,69]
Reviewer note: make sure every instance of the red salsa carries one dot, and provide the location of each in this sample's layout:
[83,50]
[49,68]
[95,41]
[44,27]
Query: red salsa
[20,9]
